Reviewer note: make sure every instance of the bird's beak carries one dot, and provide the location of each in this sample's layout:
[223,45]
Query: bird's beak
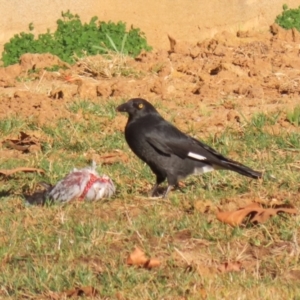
[122,108]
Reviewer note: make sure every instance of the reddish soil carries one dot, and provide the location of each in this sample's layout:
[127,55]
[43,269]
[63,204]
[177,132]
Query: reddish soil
[213,82]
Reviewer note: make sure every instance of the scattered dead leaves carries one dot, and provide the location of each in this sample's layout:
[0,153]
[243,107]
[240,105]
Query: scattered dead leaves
[20,169]
[85,291]
[138,258]
[230,266]
[113,157]
[24,143]
[253,213]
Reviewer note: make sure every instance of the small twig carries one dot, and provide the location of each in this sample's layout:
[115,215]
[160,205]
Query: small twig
[59,243]
[36,89]
[268,233]
[115,233]
[128,218]
[294,166]
[181,254]
[295,245]
[140,237]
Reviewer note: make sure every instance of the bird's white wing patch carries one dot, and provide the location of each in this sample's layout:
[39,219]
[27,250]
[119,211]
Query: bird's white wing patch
[196,156]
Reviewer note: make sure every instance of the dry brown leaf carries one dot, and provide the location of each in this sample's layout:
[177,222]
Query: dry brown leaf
[20,169]
[270,212]
[13,144]
[235,218]
[113,157]
[152,263]
[254,211]
[138,258]
[230,267]
[87,291]
[23,143]
[119,296]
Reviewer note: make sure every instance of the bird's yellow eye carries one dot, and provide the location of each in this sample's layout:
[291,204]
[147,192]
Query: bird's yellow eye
[141,105]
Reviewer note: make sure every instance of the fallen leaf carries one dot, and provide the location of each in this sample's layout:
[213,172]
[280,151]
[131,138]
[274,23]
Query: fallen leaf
[230,267]
[235,218]
[13,144]
[138,258]
[270,212]
[87,291]
[113,157]
[254,212]
[119,296]
[23,143]
[151,263]
[20,169]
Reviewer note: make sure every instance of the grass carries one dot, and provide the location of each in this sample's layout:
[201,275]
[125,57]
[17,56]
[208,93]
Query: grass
[55,248]
[294,116]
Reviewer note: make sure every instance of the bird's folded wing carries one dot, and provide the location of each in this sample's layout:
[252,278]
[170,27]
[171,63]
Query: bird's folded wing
[167,146]
[175,142]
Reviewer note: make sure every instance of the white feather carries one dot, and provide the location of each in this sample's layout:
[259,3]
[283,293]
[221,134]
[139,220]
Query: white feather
[196,156]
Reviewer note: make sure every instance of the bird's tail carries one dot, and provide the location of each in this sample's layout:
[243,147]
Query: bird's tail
[241,169]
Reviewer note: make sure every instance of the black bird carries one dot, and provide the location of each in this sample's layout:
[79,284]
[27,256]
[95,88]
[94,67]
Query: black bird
[170,153]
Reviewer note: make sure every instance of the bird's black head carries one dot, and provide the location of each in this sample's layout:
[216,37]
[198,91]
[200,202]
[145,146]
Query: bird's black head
[136,107]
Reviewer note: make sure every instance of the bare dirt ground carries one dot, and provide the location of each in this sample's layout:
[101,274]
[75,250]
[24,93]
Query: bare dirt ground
[225,77]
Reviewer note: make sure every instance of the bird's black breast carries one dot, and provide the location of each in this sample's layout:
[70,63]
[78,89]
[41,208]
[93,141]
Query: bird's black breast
[135,135]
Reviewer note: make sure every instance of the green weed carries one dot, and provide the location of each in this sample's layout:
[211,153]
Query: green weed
[72,37]
[290,18]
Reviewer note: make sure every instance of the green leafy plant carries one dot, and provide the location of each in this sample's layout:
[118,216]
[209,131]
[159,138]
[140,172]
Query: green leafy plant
[290,18]
[72,37]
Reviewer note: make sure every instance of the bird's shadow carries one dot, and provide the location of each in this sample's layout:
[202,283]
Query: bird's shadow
[161,190]
[39,197]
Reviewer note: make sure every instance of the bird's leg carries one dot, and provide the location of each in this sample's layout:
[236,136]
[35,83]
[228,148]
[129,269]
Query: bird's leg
[154,190]
[172,181]
[169,188]
[159,180]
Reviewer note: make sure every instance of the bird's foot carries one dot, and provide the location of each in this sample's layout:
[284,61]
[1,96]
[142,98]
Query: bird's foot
[178,187]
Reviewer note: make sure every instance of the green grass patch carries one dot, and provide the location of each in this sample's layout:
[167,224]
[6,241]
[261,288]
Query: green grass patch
[293,116]
[58,247]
